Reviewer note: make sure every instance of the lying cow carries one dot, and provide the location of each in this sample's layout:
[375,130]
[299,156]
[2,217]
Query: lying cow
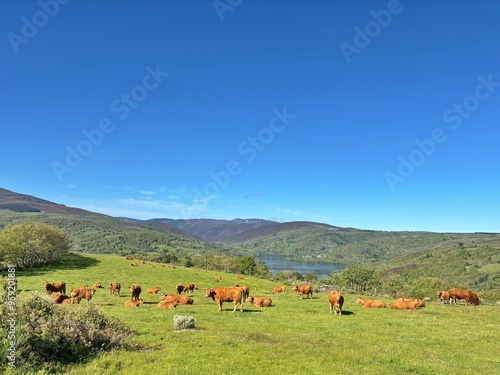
[153,290]
[402,304]
[260,301]
[72,301]
[59,298]
[183,300]
[370,302]
[217,278]
[169,304]
[114,288]
[336,300]
[303,289]
[136,303]
[468,295]
[221,295]
[134,291]
[279,289]
[57,287]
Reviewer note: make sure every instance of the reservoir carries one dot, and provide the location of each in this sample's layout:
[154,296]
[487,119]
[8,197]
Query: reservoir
[321,270]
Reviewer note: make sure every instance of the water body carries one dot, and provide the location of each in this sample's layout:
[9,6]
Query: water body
[322,270]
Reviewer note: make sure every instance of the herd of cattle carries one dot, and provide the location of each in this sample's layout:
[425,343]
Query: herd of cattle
[240,294]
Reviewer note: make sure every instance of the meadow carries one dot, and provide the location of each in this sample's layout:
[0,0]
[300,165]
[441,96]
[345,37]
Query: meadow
[294,336]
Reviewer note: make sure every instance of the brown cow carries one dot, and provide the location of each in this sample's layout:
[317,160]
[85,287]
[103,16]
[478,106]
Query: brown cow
[97,285]
[239,277]
[59,286]
[72,301]
[466,294]
[59,298]
[89,293]
[217,278]
[153,290]
[114,288]
[370,302]
[179,288]
[245,289]
[190,288]
[260,301]
[221,295]
[169,304]
[183,300]
[134,264]
[402,304]
[79,292]
[443,295]
[136,303]
[279,289]
[336,300]
[303,289]
[134,291]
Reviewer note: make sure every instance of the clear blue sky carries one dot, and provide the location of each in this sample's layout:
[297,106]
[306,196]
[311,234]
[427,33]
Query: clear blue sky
[368,114]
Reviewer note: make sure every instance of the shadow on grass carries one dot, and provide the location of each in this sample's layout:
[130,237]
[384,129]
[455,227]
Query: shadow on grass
[345,312]
[68,262]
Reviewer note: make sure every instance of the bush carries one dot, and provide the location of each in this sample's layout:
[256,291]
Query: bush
[48,334]
[184,322]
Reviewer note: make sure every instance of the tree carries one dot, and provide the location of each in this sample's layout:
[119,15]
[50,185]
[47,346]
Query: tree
[310,277]
[395,286]
[31,244]
[427,286]
[359,279]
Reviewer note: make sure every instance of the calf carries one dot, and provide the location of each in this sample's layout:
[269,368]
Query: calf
[114,288]
[279,289]
[336,300]
[59,298]
[153,290]
[134,291]
[190,288]
[136,303]
[179,289]
[72,301]
[183,300]
[260,301]
[97,285]
[79,292]
[169,304]
[59,286]
[370,302]
[89,293]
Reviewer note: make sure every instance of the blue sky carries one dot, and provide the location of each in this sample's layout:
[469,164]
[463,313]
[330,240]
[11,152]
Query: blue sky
[368,114]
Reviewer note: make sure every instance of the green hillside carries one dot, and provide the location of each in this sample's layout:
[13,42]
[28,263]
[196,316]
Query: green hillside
[294,336]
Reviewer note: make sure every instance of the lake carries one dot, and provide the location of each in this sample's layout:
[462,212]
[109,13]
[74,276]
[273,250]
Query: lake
[322,270]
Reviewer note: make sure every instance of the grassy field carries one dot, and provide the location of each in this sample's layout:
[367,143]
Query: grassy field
[294,336]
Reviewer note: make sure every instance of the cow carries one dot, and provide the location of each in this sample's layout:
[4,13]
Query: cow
[169,304]
[143,262]
[72,301]
[89,293]
[134,291]
[217,278]
[59,298]
[404,304]
[179,288]
[114,288]
[303,289]
[190,288]
[443,295]
[134,264]
[370,302]
[239,277]
[136,303]
[153,290]
[420,303]
[260,301]
[336,300]
[221,295]
[79,292]
[59,286]
[183,300]
[279,289]
[97,285]
[245,289]
[468,295]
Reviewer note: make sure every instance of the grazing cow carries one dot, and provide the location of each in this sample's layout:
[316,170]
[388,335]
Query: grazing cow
[239,277]
[260,301]
[97,285]
[183,300]
[56,287]
[134,291]
[59,298]
[370,302]
[221,295]
[153,290]
[404,304]
[179,288]
[303,289]
[134,264]
[443,295]
[79,292]
[279,289]
[336,300]
[169,304]
[136,303]
[467,295]
[89,293]
[114,288]
[190,288]
[217,278]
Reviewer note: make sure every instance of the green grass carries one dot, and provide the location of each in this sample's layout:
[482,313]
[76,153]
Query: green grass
[293,337]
